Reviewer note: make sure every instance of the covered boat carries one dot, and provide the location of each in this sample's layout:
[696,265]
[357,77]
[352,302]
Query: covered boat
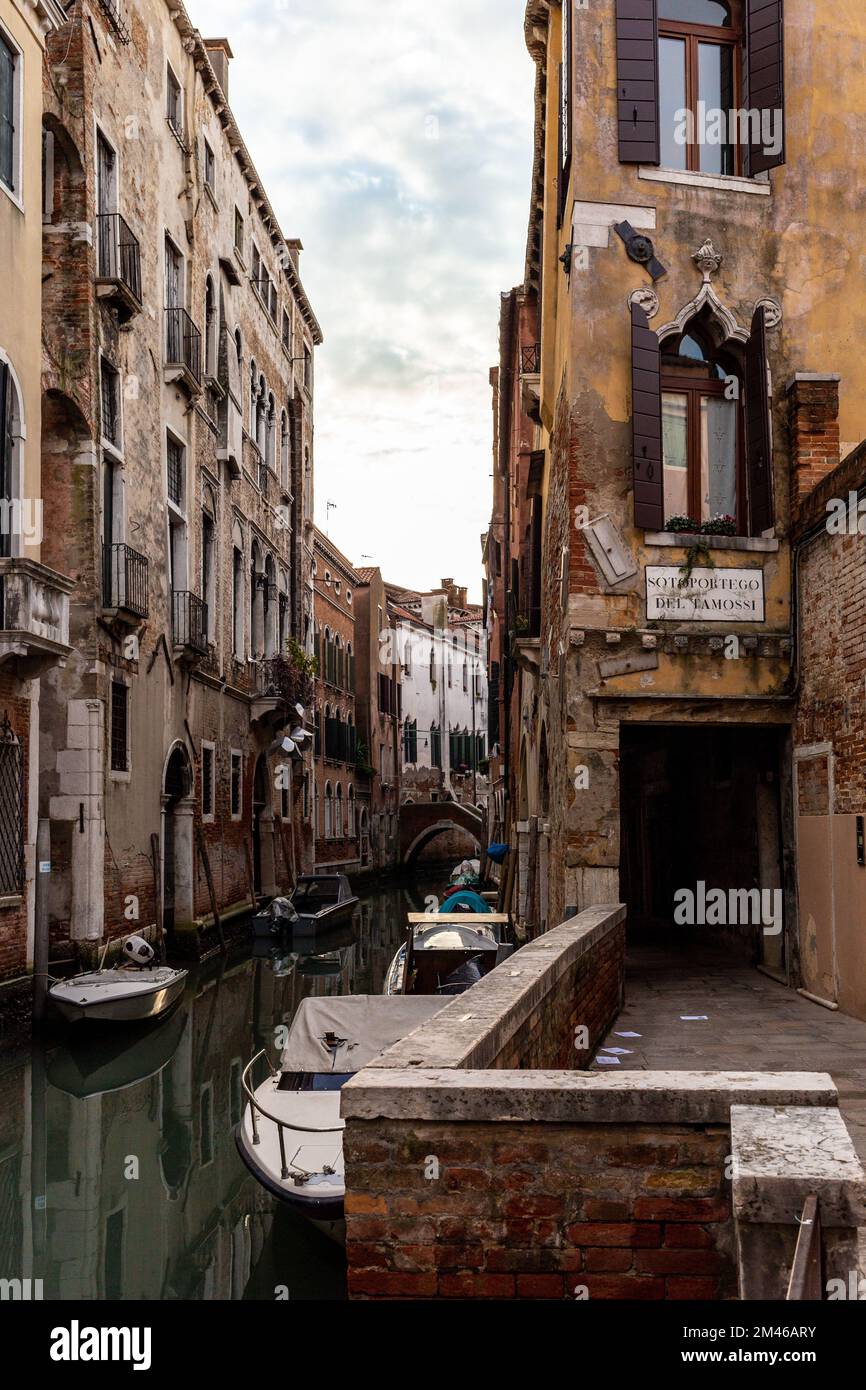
[136,989]
[447,953]
[319,902]
[291,1134]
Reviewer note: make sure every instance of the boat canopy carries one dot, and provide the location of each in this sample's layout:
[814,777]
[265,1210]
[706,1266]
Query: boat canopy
[344,1033]
[473,902]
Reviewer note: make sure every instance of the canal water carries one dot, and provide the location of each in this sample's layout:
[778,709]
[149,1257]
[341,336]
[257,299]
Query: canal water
[119,1176]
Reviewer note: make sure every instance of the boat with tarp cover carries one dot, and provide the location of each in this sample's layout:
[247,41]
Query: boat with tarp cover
[291,1133]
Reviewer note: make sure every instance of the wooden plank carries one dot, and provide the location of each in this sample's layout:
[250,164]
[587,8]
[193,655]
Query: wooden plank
[157,895]
[251,877]
[464,919]
[202,849]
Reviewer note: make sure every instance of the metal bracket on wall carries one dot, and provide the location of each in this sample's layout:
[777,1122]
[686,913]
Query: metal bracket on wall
[640,249]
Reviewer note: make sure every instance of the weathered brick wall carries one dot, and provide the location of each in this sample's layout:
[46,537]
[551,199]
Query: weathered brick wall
[539,1211]
[13,914]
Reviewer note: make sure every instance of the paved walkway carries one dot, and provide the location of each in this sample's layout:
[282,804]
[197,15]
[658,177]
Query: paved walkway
[752,1024]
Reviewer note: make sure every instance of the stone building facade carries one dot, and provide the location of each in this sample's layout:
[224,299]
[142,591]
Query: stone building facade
[685,347]
[34,598]
[378,702]
[178,456]
[338,814]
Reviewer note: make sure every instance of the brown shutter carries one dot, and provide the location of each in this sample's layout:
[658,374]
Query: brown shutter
[646,406]
[765,77]
[637,81]
[758,452]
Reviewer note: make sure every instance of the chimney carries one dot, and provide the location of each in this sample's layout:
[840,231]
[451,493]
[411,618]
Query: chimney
[813,412]
[219,51]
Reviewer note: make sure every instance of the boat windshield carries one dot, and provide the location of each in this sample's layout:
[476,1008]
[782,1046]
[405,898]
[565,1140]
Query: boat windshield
[325,1081]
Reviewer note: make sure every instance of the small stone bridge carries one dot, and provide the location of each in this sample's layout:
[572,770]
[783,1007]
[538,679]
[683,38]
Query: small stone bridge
[422,821]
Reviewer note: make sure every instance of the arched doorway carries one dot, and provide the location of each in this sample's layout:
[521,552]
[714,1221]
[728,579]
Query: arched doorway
[177,839]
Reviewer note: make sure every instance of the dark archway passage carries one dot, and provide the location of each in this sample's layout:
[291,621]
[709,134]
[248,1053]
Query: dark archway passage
[701,806]
[176,786]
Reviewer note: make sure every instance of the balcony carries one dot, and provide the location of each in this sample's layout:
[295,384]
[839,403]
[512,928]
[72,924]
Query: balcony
[124,583]
[189,623]
[530,380]
[34,617]
[182,351]
[118,258]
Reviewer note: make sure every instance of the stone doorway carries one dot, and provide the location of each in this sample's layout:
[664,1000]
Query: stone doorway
[177,840]
[701,811]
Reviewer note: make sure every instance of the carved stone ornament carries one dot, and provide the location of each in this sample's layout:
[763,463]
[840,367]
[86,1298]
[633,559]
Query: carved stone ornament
[772,312]
[647,299]
[707,259]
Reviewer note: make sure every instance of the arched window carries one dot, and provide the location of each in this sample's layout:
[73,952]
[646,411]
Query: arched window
[283,612]
[238,592]
[261,416]
[338,660]
[271,434]
[701,429]
[11,457]
[699,76]
[339,827]
[351,809]
[329,812]
[209,561]
[270,609]
[257,603]
[254,392]
[284,450]
[210,327]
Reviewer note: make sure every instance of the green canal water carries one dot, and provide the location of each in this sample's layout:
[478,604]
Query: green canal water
[119,1176]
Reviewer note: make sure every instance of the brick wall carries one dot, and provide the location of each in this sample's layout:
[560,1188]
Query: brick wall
[539,1211]
[549,1184]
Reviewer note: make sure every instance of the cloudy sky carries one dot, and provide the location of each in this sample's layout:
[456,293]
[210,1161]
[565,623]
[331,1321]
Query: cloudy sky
[394,139]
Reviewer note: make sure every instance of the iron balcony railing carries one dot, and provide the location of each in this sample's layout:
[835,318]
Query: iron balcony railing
[530,359]
[182,343]
[189,621]
[124,579]
[119,252]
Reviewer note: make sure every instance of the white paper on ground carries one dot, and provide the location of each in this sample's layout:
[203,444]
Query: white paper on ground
[607,1061]
[627,1035]
[618,1051]
[695,1018]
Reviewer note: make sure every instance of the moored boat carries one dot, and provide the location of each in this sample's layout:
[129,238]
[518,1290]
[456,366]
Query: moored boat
[132,991]
[319,902]
[290,1136]
[447,953]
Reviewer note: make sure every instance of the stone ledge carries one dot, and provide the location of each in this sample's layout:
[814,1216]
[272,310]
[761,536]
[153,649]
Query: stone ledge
[783,1154]
[575,1097]
[475,1027]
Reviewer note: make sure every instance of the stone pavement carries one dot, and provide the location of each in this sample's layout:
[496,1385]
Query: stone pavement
[752,1024]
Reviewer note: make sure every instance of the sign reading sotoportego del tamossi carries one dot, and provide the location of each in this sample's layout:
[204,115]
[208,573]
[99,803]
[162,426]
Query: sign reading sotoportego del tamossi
[706,596]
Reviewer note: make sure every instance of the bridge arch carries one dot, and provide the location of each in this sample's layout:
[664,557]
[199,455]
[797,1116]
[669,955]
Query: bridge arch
[421,822]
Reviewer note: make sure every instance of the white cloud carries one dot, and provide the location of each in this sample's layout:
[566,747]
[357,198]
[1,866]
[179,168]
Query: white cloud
[395,140]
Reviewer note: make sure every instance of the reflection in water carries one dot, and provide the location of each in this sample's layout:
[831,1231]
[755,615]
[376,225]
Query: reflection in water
[119,1177]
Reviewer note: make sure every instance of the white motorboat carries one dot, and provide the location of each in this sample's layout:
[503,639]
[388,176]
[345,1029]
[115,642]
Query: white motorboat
[446,953]
[132,991]
[291,1134]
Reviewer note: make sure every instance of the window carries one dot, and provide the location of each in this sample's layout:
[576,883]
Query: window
[209,168]
[207,781]
[119,727]
[239,232]
[208,566]
[110,403]
[238,602]
[257,267]
[9,76]
[287,332]
[308,368]
[700,431]
[174,104]
[435,747]
[351,809]
[210,327]
[284,450]
[698,76]
[236,785]
[174,462]
[329,812]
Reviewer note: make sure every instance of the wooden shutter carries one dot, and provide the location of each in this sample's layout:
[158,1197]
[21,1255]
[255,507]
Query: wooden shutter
[765,77]
[646,405]
[758,450]
[637,81]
